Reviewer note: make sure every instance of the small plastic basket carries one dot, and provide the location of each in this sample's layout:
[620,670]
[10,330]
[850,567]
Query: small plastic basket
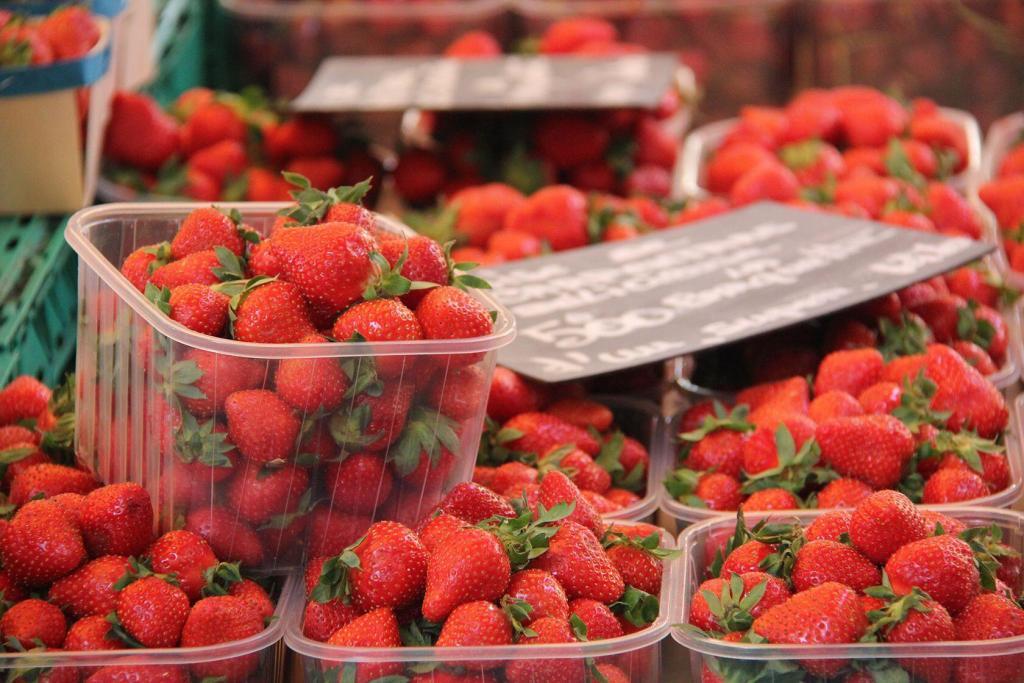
[688,514]
[694,543]
[1002,135]
[127,426]
[262,655]
[637,654]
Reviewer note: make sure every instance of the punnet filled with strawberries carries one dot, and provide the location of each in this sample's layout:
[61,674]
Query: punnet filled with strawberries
[282,376]
[1003,186]
[607,445]
[539,589]
[91,592]
[927,423]
[886,591]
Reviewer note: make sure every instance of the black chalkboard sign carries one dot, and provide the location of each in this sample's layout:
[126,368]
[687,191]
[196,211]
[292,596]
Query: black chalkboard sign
[619,305]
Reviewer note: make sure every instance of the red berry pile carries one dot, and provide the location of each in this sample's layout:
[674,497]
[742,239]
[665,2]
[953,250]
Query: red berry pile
[1004,194]
[961,308]
[529,435]
[478,572]
[883,572]
[211,146]
[928,423]
[853,150]
[66,33]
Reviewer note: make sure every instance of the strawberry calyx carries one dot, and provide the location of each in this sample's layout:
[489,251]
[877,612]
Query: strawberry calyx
[220,577]
[494,440]
[389,281]
[334,582]
[12,455]
[181,379]
[232,266]
[524,538]
[907,338]
[311,204]
[159,297]
[58,442]
[518,611]
[285,519]
[140,569]
[118,632]
[987,545]
[966,445]
[895,611]
[426,432]
[195,442]
[362,374]
[458,271]
[523,171]
[681,483]
[637,607]
[348,428]
[161,253]
[420,633]
[736,420]
[825,193]
[970,328]
[609,458]
[800,155]
[775,534]
[731,608]
[796,469]
[915,408]
[899,166]
[1006,294]
[552,461]
[237,290]
[649,545]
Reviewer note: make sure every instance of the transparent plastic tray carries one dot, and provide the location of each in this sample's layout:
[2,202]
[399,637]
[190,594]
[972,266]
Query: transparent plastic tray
[688,514]
[265,647]
[123,424]
[691,572]
[638,654]
[1002,135]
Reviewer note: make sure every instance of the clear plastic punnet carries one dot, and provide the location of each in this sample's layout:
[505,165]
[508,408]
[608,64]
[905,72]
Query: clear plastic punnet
[260,657]
[1002,135]
[689,514]
[152,395]
[743,662]
[637,654]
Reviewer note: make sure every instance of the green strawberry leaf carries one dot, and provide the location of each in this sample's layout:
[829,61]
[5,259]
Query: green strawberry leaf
[334,581]
[159,297]
[220,577]
[518,611]
[735,420]
[637,607]
[908,338]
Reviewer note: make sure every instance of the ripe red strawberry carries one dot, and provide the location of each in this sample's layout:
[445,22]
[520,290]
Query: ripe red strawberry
[272,313]
[826,614]
[880,398]
[556,214]
[331,531]
[204,229]
[140,264]
[450,313]
[851,371]
[419,175]
[989,617]
[950,525]
[47,480]
[942,566]
[17,436]
[843,493]
[975,356]
[470,565]
[953,485]
[872,448]
[253,594]
[718,491]
[583,413]
[746,558]
[209,124]
[91,633]
[597,617]
[473,45]
[148,673]
[41,544]
[585,473]
[311,384]
[513,245]
[510,474]
[261,425]
[196,268]
[32,456]
[547,630]
[460,393]
[576,559]
[473,503]
[23,398]
[482,210]
[259,495]
[771,499]
[152,611]
[359,483]
[829,526]
[569,140]
[541,591]
[221,619]
[381,320]
[321,619]
[973,401]
[33,620]
[568,35]
[884,522]
[187,556]
[323,172]
[425,262]
[820,561]
[601,504]
[330,263]
[701,615]
[139,133]
[219,376]
[729,163]
[476,624]
[760,451]
[221,162]
[89,590]
[378,628]
[556,488]
[638,564]
[436,528]
[387,418]
[915,619]
[392,569]
[230,538]
[768,180]
[540,432]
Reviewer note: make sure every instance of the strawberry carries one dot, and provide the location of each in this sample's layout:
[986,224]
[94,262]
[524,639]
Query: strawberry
[872,448]
[450,313]
[381,320]
[270,312]
[884,522]
[759,450]
[482,210]
[217,377]
[843,493]
[937,131]
[584,472]
[952,213]
[204,229]
[975,356]
[221,162]
[139,265]
[656,146]
[953,485]
[823,560]
[473,503]
[770,499]
[251,593]
[730,163]
[91,633]
[300,136]
[460,394]
[330,263]
[230,538]
[196,306]
[139,133]
[829,526]
[556,214]
[185,555]
[569,140]
[311,384]
[47,480]
[41,545]
[576,559]
[950,525]
[597,617]
[1003,196]
[209,124]
[419,175]
[880,398]
[17,436]
[392,568]
[734,612]
[473,45]
[359,483]
[470,565]
[321,619]
[222,619]
[331,531]
[913,618]
[89,590]
[424,262]
[850,371]
[973,402]
[994,472]
[713,490]
[23,398]
[31,620]
[601,504]
[258,495]
[261,425]
[989,617]
[511,474]
[541,591]
[476,624]
[942,566]
[375,422]
[583,413]
[323,172]
[200,186]
[639,562]
[812,161]
[826,614]
[768,180]
[540,432]
[546,630]
[70,31]
[378,628]
[747,557]
[197,268]
[557,488]
[567,35]
[437,527]
[152,611]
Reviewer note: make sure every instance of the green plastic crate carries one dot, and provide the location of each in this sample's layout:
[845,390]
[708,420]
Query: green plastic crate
[180,48]
[38,291]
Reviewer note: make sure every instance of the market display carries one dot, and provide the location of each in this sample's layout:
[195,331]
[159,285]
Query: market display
[764,421]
